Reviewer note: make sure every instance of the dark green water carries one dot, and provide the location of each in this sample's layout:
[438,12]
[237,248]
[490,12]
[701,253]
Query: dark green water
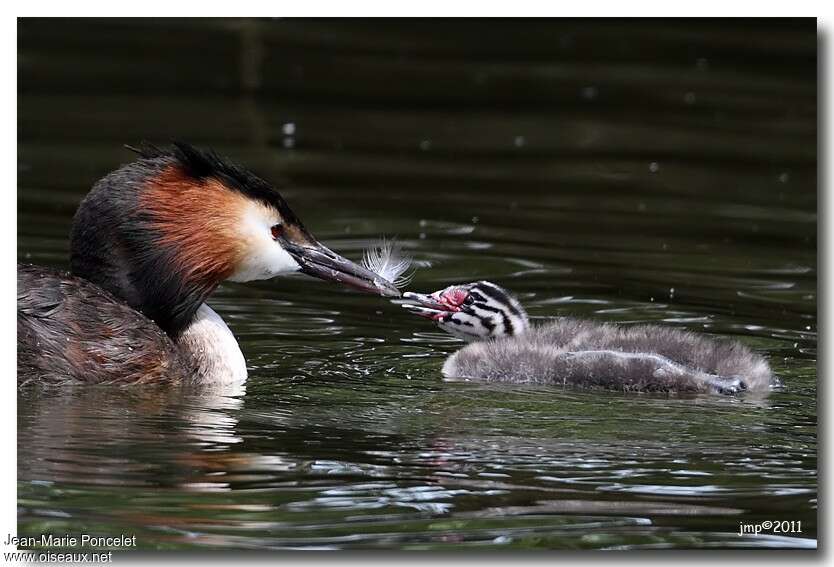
[632,172]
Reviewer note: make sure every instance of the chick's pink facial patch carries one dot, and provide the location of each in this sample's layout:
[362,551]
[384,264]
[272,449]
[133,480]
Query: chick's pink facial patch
[453,298]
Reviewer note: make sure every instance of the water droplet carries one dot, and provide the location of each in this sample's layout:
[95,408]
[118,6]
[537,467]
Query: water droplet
[519,141]
[784,177]
[289,142]
[288,129]
[425,145]
[589,93]
[671,293]
[654,167]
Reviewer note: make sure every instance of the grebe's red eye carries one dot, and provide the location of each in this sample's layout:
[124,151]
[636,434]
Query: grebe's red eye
[277,230]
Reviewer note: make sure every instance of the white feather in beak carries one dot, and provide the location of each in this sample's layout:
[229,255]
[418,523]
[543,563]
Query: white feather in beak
[385,258]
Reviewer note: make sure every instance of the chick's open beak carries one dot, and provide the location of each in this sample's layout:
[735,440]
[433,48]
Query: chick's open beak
[319,261]
[429,306]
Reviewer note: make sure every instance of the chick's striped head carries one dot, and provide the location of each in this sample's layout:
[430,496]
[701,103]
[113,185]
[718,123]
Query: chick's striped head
[479,310]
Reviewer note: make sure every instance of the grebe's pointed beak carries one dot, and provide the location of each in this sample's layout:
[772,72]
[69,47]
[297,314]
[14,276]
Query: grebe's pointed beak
[319,261]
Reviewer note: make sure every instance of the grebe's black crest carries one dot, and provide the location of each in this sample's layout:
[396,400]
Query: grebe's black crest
[202,164]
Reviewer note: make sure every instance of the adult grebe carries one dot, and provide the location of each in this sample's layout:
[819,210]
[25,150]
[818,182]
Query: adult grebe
[149,244]
[574,352]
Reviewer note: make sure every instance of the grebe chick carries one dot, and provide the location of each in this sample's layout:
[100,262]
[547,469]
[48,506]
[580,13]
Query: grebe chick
[645,358]
[149,243]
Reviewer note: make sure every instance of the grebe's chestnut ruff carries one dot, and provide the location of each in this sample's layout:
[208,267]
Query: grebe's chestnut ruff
[646,358]
[150,242]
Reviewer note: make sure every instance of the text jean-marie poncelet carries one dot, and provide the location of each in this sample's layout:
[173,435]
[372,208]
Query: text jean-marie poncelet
[83,540]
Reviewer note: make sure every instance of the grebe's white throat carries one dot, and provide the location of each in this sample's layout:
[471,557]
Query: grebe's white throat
[213,348]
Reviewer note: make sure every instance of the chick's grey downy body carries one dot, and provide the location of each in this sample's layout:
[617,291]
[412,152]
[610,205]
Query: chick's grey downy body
[583,353]
[588,354]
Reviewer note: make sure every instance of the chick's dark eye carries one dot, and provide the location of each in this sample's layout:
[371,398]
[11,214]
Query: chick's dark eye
[469,300]
[277,230]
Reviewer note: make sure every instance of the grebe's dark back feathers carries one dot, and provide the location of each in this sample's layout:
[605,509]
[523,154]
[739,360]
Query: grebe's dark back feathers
[71,331]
